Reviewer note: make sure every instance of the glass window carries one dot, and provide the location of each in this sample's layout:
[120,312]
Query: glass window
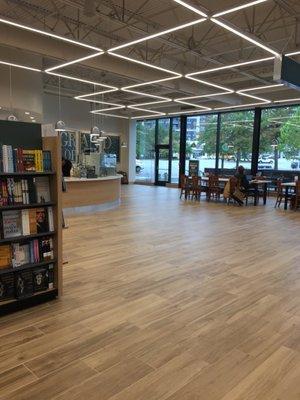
[163,131]
[175,150]
[280,139]
[201,136]
[145,150]
[236,137]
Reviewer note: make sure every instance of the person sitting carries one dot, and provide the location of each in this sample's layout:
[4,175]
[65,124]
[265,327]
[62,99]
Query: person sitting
[241,176]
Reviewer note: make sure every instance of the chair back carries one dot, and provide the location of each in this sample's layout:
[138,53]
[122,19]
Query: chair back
[279,186]
[183,181]
[196,182]
[213,181]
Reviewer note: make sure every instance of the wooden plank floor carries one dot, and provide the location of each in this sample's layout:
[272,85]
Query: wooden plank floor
[165,300]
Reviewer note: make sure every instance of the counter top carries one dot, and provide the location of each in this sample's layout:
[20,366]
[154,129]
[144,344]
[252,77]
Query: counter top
[102,178]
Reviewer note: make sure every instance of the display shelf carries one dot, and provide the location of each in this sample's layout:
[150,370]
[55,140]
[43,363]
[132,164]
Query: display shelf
[25,206]
[52,144]
[13,305]
[21,238]
[28,173]
[26,266]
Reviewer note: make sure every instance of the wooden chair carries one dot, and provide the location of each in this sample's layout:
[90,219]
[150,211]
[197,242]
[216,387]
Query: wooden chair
[196,187]
[185,186]
[279,193]
[295,199]
[214,190]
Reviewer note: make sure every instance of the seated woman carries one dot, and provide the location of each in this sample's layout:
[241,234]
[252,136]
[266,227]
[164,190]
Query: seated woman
[243,181]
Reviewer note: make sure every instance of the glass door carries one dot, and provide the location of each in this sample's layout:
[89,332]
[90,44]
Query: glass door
[162,164]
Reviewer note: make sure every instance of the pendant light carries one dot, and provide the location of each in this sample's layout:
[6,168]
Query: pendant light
[60,125]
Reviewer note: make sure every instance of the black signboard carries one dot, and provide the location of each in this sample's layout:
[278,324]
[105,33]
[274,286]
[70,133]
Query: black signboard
[193,167]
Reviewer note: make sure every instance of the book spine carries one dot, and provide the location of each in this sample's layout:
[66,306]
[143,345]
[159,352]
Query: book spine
[25,222]
[50,219]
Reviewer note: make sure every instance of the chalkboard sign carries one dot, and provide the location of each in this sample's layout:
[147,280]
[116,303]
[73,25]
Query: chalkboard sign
[114,148]
[21,134]
[193,167]
[68,145]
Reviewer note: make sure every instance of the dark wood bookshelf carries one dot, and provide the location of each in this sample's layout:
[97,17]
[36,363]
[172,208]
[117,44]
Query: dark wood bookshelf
[27,173]
[25,206]
[21,238]
[26,266]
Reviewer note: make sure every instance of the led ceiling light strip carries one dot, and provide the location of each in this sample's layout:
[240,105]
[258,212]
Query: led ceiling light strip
[210,84]
[231,66]
[154,96]
[260,88]
[107,109]
[155,35]
[148,116]
[254,97]
[240,106]
[145,64]
[202,96]
[78,60]
[287,100]
[20,66]
[251,3]
[83,96]
[193,105]
[186,112]
[104,102]
[152,103]
[146,110]
[196,10]
[294,53]
[151,82]
[81,80]
[244,36]
[52,35]
[113,115]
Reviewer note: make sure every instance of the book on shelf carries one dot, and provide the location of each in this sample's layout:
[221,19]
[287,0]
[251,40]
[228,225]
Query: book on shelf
[24,160]
[29,190]
[29,252]
[27,222]
[5,256]
[7,287]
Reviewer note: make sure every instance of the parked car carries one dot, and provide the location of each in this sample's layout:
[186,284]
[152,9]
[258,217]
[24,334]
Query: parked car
[266,160]
[295,164]
[138,166]
[264,166]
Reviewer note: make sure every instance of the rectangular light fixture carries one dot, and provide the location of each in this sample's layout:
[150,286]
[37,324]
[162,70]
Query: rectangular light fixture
[154,96]
[230,28]
[80,80]
[84,96]
[152,103]
[145,64]
[151,82]
[20,66]
[191,8]
[210,84]
[107,109]
[155,35]
[231,66]
[186,112]
[287,100]
[240,106]
[148,116]
[254,97]
[294,53]
[78,60]
[193,105]
[260,88]
[203,96]
[52,35]
[145,110]
[113,115]
[251,3]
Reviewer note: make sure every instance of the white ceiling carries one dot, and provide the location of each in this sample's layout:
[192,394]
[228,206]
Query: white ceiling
[273,24]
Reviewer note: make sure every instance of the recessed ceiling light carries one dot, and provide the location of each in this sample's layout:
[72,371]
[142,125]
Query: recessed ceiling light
[251,3]
[155,35]
[31,117]
[152,103]
[244,36]
[186,5]
[33,120]
[202,96]
[154,96]
[28,28]
[27,112]
[20,66]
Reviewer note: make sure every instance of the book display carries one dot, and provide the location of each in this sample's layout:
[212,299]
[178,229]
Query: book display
[30,224]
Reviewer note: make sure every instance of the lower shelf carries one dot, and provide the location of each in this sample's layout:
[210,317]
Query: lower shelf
[9,306]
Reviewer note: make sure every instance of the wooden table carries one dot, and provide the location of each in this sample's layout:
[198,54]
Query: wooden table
[287,185]
[258,182]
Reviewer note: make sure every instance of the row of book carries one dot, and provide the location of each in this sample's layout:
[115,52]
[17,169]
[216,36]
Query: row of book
[18,191]
[35,251]
[23,284]
[23,160]
[18,223]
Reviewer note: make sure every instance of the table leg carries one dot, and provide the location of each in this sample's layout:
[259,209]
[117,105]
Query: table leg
[286,197]
[265,193]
